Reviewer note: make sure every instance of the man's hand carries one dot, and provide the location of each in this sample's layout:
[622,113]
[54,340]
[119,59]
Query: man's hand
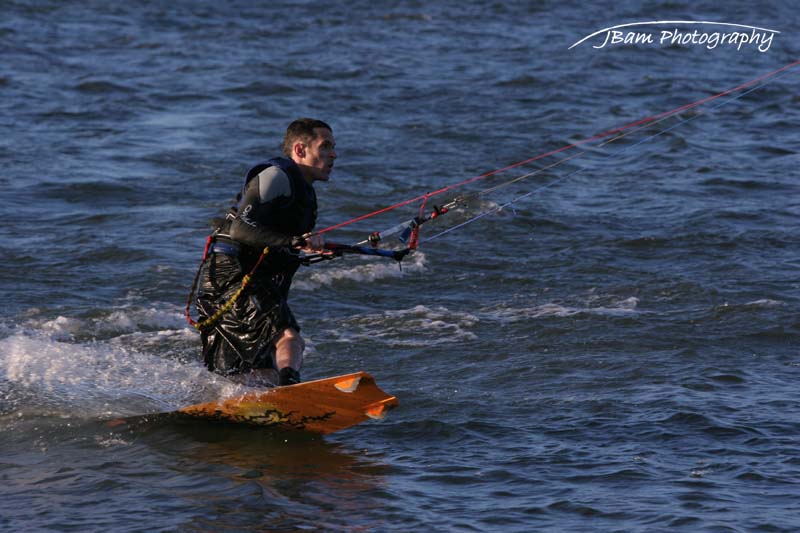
[314,244]
[310,244]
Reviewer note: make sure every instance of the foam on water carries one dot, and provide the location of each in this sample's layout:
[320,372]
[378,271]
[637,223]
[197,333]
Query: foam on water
[97,379]
[418,326]
[626,307]
[107,323]
[368,271]
[421,325]
[765,302]
[41,372]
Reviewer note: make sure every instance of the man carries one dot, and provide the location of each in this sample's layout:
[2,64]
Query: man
[252,333]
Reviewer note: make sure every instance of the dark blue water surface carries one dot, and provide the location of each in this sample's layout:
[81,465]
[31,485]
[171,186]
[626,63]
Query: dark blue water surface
[616,350]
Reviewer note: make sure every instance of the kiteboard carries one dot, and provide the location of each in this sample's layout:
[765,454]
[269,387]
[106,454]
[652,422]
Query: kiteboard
[322,406]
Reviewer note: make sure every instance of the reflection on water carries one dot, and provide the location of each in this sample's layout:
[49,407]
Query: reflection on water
[249,475]
[307,477]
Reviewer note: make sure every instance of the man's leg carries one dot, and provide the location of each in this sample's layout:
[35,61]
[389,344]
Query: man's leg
[289,356]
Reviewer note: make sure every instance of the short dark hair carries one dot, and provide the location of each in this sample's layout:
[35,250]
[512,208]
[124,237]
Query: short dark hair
[302,130]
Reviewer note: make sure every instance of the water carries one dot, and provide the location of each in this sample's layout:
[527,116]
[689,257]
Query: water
[617,352]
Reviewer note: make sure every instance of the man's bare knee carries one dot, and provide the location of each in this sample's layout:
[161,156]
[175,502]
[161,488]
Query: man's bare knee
[291,337]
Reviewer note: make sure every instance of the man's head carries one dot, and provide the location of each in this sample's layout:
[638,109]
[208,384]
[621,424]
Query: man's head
[310,144]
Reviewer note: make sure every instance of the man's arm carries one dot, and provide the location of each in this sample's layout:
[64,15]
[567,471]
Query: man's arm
[271,186]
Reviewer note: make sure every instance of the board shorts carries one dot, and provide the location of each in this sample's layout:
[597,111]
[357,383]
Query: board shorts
[244,337]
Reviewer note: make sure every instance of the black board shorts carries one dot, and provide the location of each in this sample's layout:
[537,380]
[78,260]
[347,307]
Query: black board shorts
[244,337]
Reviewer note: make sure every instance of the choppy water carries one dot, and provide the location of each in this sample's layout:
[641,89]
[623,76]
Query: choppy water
[618,352]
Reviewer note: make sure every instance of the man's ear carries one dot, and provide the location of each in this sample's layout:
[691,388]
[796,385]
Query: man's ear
[299,149]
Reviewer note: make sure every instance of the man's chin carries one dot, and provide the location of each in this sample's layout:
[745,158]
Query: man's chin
[315,173]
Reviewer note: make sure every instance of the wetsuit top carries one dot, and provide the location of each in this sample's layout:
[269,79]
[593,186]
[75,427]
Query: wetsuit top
[276,205]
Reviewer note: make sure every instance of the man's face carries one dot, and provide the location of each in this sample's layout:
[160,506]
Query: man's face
[316,158]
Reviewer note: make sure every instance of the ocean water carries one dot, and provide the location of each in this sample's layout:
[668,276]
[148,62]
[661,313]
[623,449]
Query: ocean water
[612,346]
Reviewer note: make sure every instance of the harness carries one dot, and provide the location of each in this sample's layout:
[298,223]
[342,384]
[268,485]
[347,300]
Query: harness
[213,319]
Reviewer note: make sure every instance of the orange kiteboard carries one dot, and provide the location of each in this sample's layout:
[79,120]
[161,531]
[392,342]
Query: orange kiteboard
[321,406]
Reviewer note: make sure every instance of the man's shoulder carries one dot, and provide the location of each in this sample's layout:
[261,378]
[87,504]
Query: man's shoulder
[273,173]
[273,182]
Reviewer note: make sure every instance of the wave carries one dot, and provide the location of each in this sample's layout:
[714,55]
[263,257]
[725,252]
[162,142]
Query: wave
[618,308]
[425,326]
[416,327]
[745,184]
[102,86]
[110,323]
[94,380]
[368,270]
[120,362]
[755,305]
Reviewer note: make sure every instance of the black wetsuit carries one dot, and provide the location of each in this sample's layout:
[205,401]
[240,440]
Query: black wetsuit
[244,337]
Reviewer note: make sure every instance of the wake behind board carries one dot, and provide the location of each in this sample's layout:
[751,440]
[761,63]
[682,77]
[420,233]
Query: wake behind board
[322,406]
